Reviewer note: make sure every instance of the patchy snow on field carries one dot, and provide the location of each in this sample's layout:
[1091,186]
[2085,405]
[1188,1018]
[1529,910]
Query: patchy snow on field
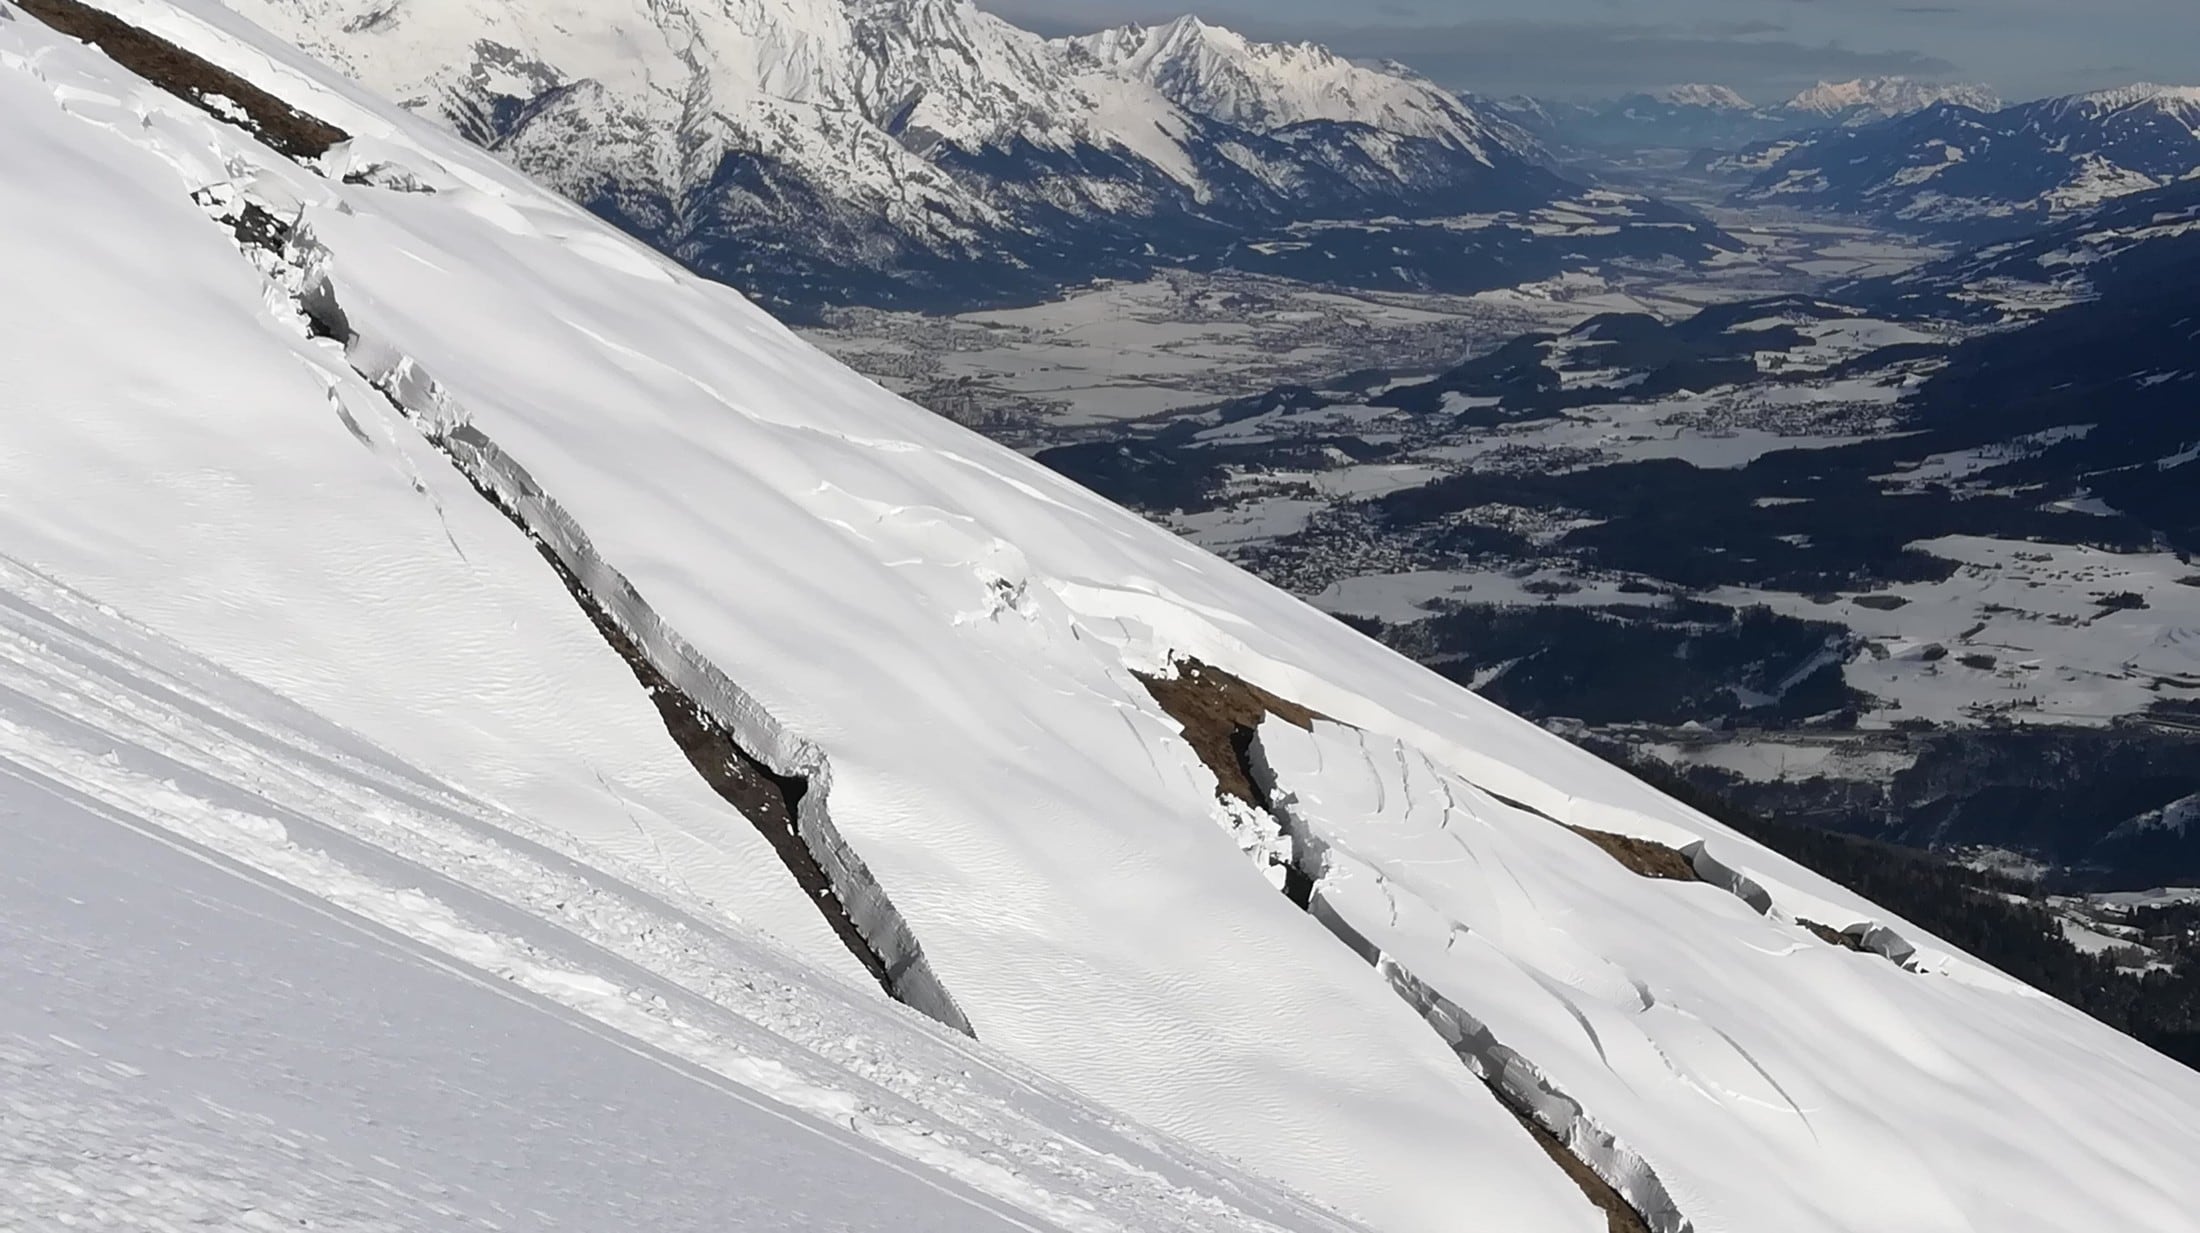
[1832,342]
[1365,422]
[1956,466]
[2022,631]
[1403,598]
[282,695]
[1722,428]
[1788,758]
[1134,350]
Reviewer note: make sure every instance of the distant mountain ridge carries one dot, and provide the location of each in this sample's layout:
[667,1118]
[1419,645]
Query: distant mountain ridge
[1952,167]
[1707,116]
[923,153]
[1700,94]
[1883,97]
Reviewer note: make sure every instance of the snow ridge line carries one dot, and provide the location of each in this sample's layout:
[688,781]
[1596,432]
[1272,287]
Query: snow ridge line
[1515,1080]
[908,976]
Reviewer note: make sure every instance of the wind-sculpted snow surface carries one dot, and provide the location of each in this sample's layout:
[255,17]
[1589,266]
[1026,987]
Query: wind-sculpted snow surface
[956,633]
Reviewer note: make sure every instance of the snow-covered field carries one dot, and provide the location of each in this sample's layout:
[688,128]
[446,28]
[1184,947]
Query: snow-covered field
[1126,351]
[351,879]
[1412,595]
[2029,632]
[1132,350]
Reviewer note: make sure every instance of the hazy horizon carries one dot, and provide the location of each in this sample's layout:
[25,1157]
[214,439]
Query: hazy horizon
[1767,50]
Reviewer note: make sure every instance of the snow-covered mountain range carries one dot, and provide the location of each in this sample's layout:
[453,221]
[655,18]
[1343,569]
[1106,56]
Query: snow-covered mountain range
[1715,117]
[1702,94]
[925,153]
[1879,98]
[495,731]
[1952,166]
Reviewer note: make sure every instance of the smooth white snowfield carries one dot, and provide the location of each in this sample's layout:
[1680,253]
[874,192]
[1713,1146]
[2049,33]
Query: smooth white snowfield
[255,973]
[945,629]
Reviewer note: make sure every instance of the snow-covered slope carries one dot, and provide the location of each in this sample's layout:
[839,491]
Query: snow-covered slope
[260,973]
[274,420]
[1222,75]
[1956,166]
[924,153]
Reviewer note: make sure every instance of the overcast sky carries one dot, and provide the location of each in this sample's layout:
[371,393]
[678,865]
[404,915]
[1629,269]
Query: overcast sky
[1767,49]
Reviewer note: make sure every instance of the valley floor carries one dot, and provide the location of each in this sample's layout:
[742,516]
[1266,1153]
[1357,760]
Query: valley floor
[1081,367]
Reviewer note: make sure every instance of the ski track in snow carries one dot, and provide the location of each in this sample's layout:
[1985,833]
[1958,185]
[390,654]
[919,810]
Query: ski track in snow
[108,730]
[342,671]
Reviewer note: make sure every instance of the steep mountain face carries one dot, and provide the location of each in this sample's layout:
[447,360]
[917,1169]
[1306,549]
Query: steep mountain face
[1957,169]
[560,630]
[1714,117]
[921,153]
[1223,76]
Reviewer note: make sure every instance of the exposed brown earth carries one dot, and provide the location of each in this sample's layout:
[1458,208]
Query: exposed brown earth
[1220,713]
[283,127]
[1651,860]
[1618,1216]
[767,800]
[1834,936]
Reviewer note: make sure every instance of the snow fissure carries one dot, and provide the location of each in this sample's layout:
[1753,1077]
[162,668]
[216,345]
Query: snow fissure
[775,780]
[771,801]
[816,852]
[1867,937]
[1615,1170]
[955,627]
[1221,715]
[726,720]
[1694,863]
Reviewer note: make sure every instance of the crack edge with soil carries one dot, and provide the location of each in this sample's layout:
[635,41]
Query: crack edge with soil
[816,853]
[1220,715]
[773,779]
